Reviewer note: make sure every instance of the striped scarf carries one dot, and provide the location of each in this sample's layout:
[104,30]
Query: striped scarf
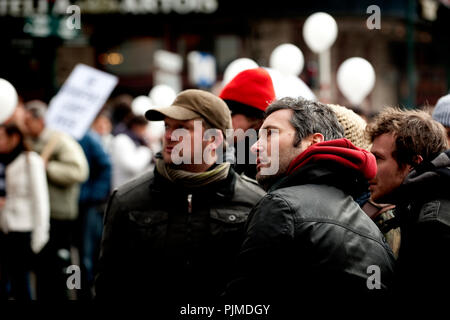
[193,179]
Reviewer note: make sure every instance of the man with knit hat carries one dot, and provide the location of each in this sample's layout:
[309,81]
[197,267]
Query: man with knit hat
[247,95]
[307,240]
[441,113]
[173,234]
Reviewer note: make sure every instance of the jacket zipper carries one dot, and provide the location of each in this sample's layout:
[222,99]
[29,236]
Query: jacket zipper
[189,200]
[189,230]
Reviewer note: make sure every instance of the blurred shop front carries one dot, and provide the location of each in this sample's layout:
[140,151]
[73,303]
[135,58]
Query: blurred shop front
[409,52]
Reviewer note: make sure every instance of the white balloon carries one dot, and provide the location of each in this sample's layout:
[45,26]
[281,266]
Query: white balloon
[140,105]
[8,100]
[162,95]
[287,59]
[355,79]
[289,86]
[320,31]
[236,67]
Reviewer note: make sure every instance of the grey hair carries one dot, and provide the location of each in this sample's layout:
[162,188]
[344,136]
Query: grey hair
[309,117]
[36,108]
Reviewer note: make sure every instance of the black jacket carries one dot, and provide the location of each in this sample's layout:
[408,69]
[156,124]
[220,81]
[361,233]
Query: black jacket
[163,241]
[307,238]
[423,209]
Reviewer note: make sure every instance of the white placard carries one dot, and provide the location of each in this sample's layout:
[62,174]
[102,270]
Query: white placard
[78,101]
[201,69]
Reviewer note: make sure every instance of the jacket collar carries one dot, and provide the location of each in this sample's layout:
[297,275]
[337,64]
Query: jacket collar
[223,189]
[326,173]
[337,163]
[428,180]
[341,151]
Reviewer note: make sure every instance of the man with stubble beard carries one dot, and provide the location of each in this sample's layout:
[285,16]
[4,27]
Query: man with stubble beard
[171,235]
[307,239]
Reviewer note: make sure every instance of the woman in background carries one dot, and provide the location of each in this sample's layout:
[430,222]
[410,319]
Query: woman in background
[24,212]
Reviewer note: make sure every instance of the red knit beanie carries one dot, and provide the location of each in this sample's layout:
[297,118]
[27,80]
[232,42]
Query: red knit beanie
[252,87]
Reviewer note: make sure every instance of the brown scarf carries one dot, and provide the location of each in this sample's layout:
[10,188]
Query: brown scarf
[193,179]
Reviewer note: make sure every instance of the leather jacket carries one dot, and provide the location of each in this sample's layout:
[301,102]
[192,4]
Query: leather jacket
[308,238]
[161,240]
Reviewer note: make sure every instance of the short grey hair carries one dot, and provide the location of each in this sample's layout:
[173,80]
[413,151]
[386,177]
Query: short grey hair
[309,117]
[37,108]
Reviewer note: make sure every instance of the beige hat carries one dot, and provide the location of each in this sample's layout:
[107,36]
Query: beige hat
[354,126]
[191,104]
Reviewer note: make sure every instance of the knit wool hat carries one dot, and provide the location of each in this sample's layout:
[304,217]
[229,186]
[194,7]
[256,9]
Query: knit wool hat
[354,126]
[441,112]
[249,92]
[192,104]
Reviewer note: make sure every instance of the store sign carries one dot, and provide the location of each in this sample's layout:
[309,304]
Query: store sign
[26,8]
[46,25]
[201,69]
[78,101]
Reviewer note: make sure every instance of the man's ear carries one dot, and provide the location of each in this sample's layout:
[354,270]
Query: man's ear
[416,160]
[317,138]
[313,139]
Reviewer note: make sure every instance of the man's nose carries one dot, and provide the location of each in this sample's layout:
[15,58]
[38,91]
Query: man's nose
[255,147]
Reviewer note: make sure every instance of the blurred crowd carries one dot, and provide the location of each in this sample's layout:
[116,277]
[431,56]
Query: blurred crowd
[53,193]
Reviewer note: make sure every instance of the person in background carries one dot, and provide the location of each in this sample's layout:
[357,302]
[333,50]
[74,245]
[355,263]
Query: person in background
[441,113]
[413,174]
[121,112]
[18,116]
[24,212]
[353,124]
[102,125]
[66,168]
[130,153]
[93,196]
[247,95]
[382,214]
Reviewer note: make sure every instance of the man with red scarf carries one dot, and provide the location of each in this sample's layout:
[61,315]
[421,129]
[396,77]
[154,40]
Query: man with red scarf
[308,238]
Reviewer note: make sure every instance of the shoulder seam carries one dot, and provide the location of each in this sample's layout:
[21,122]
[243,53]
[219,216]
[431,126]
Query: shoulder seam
[129,186]
[321,220]
[291,210]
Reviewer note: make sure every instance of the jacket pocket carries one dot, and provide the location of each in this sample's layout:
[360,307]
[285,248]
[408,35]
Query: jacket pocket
[148,228]
[228,221]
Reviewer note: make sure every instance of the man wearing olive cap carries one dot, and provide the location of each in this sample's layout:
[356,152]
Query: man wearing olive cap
[173,234]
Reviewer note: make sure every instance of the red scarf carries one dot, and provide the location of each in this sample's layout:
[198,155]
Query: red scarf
[341,151]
